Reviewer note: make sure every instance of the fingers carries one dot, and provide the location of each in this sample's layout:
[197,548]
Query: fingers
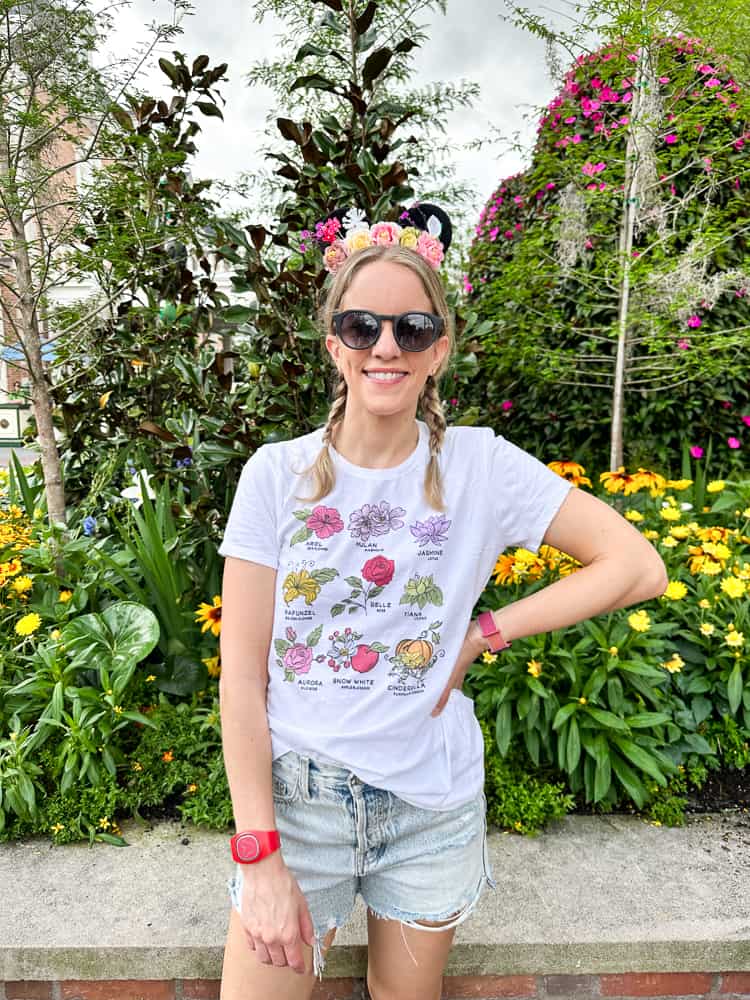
[278,954]
[306,929]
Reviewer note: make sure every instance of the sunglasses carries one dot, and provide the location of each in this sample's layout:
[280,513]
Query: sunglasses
[413,331]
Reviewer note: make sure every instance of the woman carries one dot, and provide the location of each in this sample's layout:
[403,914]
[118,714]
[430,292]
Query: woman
[354,557]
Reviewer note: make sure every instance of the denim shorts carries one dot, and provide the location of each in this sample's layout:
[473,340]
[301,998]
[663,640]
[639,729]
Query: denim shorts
[340,836]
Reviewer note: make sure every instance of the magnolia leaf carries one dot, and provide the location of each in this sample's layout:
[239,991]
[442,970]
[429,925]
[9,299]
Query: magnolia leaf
[324,575]
[354,581]
[281,646]
[300,536]
[314,637]
[302,515]
[378,647]
[336,610]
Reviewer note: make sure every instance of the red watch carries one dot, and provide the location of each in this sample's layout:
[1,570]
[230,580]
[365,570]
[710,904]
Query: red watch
[254,845]
[491,632]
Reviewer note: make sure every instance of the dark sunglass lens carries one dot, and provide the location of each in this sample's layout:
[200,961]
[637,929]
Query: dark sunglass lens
[416,331]
[358,329]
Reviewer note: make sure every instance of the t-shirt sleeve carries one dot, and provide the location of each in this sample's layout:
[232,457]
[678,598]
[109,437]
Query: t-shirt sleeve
[250,531]
[526,494]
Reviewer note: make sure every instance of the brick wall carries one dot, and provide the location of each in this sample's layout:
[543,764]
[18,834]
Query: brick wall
[624,986]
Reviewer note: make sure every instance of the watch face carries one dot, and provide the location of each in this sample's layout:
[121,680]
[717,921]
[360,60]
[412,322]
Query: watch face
[248,847]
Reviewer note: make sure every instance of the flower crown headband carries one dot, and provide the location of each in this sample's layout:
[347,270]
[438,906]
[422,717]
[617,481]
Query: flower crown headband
[428,231]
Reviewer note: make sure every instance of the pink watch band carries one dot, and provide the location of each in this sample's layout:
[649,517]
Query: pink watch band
[491,632]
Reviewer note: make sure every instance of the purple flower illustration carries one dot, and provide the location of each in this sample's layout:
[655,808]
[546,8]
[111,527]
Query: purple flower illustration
[298,659]
[375,519]
[432,531]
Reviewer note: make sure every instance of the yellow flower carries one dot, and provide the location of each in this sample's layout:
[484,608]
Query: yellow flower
[715,486]
[670,513]
[167,757]
[21,584]
[104,822]
[56,827]
[650,534]
[651,480]
[613,651]
[669,543]
[137,766]
[572,471]
[534,667]
[301,584]
[707,628]
[489,657]
[104,398]
[409,237]
[212,665]
[734,639]
[151,677]
[192,788]
[675,591]
[633,515]
[746,512]
[210,615]
[675,664]
[117,709]
[620,482]
[582,701]
[679,531]
[733,587]
[358,240]
[703,603]
[679,484]
[504,570]
[64,596]
[639,621]
[55,633]
[28,624]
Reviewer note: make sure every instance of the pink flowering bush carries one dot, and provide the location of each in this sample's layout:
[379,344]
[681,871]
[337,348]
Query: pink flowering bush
[543,266]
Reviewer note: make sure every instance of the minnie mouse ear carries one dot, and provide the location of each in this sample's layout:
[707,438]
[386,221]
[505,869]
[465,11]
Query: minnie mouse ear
[431,219]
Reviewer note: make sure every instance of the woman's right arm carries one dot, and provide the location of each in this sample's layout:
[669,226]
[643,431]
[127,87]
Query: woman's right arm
[277,917]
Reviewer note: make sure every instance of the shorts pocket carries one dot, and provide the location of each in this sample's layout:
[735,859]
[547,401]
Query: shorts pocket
[285,778]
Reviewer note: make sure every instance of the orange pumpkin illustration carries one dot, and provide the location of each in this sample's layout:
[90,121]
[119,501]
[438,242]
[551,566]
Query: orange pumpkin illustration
[414,652]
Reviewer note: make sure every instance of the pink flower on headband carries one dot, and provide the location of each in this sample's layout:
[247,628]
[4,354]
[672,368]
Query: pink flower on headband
[335,255]
[385,233]
[431,249]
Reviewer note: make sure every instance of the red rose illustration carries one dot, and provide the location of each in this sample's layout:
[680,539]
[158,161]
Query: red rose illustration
[379,570]
[364,659]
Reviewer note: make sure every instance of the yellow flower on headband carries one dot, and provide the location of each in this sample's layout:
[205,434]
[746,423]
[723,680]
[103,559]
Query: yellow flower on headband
[358,240]
[409,237]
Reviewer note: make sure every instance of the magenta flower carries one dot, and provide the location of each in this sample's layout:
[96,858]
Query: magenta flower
[569,121]
[684,345]
[694,322]
[508,234]
[468,287]
[507,404]
[696,451]
[670,139]
[726,404]
[325,521]
[590,169]
[739,143]
[713,82]
[734,442]
[663,79]
[588,245]
[494,232]
[576,139]
[746,420]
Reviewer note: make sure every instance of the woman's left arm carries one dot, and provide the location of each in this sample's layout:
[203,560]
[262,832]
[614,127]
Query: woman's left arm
[619,568]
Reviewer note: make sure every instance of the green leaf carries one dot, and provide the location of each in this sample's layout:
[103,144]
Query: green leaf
[734,688]
[375,64]
[602,779]
[324,575]
[435,595]
[503,728]
[642,720]
[302,515]
[378,647]
[209,109]
[574,746]
[375,592]
[354,581]
[629,780]
[606,718]
[281,646]
[314,637]
[237,314]
[315,81]
[638,756]
[337,610]
[564,713]
[300,536]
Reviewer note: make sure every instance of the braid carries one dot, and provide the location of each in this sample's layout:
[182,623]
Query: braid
[432,408]
[324,476]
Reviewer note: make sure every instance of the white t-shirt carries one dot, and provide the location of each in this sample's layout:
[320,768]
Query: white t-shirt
[374,594]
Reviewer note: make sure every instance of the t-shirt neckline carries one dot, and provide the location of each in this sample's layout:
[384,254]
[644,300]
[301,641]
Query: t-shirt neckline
[417,458]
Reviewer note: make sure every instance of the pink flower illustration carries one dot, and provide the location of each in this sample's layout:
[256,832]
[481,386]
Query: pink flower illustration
[378,570]
[298,659]
[325,521]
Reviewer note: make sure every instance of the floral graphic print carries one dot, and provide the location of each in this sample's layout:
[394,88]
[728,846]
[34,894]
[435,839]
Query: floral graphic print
[414,657]
[294,657]
[345,651]
[378,572]
[320,521]
[375,519]
[432,531]
[303,583]
[422,590]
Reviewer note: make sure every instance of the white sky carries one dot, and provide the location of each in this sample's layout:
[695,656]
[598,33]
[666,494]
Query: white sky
[469,42]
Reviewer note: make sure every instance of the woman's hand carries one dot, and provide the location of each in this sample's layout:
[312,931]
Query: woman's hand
[473,645]
[274,913]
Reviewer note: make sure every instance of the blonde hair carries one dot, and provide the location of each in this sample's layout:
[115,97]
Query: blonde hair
[322,470]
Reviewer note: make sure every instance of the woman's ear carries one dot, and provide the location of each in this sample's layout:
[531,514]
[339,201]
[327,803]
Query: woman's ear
[333,347]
